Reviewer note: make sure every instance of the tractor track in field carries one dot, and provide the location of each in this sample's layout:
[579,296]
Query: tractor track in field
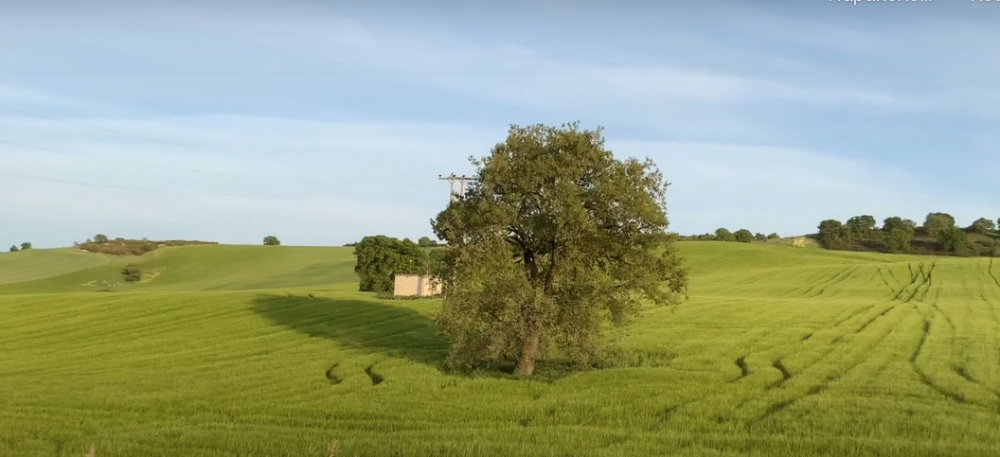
[921,280]
[837,279]
[332,376]
[852,316]
[989,269]
[827,380]
[924,378]
[878,268]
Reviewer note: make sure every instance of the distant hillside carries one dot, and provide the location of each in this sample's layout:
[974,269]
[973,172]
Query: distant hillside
[185,268]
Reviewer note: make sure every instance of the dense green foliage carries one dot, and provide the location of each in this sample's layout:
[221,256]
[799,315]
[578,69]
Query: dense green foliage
[271,240]
[14,248]
[554,238]
[25,246]
[380,258]
[132,273]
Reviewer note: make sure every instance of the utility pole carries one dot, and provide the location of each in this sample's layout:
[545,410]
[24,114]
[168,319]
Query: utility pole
[452,179]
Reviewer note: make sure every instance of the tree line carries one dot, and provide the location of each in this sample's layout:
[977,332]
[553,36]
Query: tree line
[938,234]
[723,234]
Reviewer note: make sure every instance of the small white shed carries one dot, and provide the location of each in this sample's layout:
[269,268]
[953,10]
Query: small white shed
[410,285]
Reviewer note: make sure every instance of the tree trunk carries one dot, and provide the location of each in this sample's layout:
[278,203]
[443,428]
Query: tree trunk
[529,351]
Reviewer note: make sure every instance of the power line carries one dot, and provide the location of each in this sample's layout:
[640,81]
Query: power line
[125,162]
[155,140]
[452,179]
[161,191]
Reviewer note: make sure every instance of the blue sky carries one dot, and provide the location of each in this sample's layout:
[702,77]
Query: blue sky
[321,123]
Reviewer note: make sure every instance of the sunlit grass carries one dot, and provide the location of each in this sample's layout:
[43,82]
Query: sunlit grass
[779,352]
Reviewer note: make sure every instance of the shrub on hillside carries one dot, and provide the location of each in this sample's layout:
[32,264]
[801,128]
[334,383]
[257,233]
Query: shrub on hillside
[132,273]
[134,247]
[14,248]
[899,239]
[271,240]
[954,240]
[25,246]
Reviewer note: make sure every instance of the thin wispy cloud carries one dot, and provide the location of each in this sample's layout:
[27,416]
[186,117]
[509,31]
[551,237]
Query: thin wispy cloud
[323,125]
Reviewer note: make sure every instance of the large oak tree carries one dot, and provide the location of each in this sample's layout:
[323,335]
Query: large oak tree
[554,238]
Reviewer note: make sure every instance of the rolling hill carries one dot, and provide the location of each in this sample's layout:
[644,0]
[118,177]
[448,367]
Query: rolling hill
[779,351]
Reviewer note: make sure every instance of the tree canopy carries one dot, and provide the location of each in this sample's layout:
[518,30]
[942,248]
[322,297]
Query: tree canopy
[743,236]
[723,234]
[936,223]
[25,246]
[983,226]
[555,237]
[380,258]
[14,249]
[271,240]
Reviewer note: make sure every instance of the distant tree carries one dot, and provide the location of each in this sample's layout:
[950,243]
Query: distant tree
[832,234]
[861,226]
[983,226]
[25,246]
[743,236]
[380,258]
[100,238]
[554,239]
[14,249]
[723,234]
[899,238]
[759,236]
[773,236]
[910,223]
[271,240]
[936,223]
[894,222]
[954,240]
[132,273]
[426,242]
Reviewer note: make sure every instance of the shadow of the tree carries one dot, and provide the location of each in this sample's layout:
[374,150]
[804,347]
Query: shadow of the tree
[358,324]
[376,326]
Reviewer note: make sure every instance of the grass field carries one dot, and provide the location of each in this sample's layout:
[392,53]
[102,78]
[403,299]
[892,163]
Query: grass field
[779,352]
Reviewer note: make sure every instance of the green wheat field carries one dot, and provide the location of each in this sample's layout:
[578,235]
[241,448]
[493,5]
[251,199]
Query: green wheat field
[221,351]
